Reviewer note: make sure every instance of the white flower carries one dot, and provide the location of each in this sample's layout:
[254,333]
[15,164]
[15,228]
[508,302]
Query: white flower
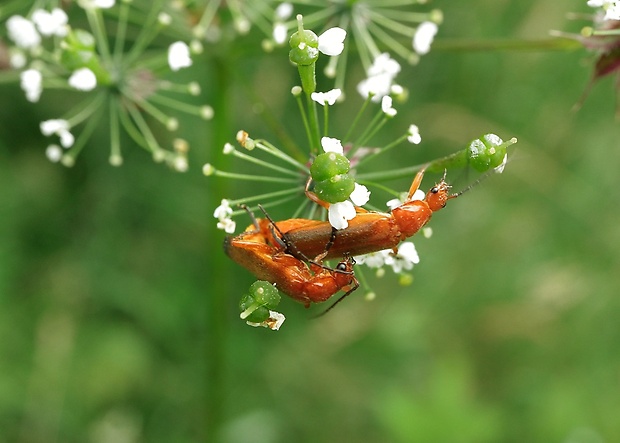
[499,169]
[280,32]
[423,37]
[284,11]
[31,81]
[274,321]
[386,106]
[223,211]
[227,225]
[53,153]
[178,56]
[340,213]
[51,23]
[396,202]
[328,97]
[373,259]
[384,64]
[332,145]
[17,58]
[406,257]
[380,77]
[613,12]
[23,32]
[611,8]
[83,80]
[331,42]
[414,135]
[103,4]
[60,128]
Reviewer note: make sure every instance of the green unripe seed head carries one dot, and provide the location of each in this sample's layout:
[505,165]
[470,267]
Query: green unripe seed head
[258,315]
[335,189]
[265,294]
[486,152]
[329,164]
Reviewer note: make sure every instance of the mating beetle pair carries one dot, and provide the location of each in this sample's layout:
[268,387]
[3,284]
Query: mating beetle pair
[289,253]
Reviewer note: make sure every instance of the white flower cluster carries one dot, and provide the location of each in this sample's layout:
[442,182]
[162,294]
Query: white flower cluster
[610,7]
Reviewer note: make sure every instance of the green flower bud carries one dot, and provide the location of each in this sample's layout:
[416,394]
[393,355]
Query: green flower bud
[335,189]
[329,164]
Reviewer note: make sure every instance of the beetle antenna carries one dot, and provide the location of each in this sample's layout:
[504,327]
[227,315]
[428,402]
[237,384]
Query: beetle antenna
[473,184]
[342,297]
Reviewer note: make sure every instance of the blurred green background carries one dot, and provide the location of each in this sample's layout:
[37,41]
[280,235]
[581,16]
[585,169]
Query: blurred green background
[118,307]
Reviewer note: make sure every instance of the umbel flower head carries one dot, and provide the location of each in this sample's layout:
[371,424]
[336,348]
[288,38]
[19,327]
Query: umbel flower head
[120,84]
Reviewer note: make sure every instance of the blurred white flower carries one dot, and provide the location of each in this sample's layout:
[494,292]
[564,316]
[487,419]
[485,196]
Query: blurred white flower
[31,81]
[414,135]
[23,32]
[60,128]
[178,56]
[83,79]
[386,106]
[51,23]
[423,37]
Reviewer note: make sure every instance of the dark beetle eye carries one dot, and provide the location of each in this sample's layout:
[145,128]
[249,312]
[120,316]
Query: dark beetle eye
[434,189]
[342,266]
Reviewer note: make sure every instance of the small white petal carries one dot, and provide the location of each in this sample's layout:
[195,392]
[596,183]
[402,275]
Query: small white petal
[83,79]
[331,42]
[178,56]
[330,144]
[339,214]
[499,169]
[360,195]
[423,37]
[394,203]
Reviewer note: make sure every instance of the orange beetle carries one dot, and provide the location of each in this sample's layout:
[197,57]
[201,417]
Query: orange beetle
[304,282]
[367,232]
